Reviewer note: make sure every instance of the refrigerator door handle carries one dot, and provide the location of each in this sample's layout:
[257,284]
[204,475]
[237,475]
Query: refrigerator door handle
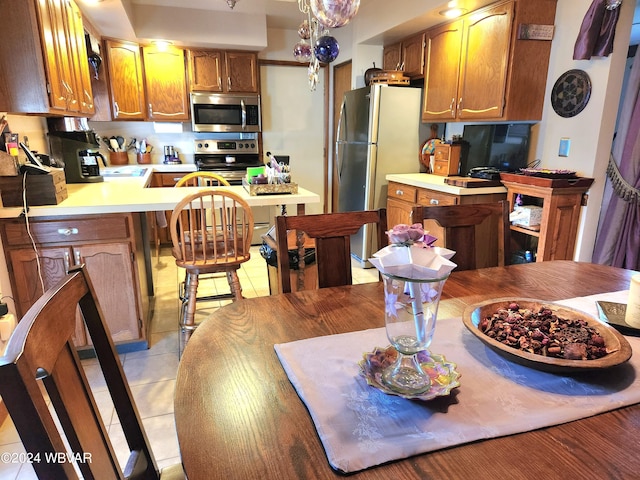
[339,161]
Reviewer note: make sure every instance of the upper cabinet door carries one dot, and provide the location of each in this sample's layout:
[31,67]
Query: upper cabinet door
[242,72]
[79,59]
[205,70]
[126,87]
[392,56]
[165,81]
[413,56]
[442,71]
[485,63]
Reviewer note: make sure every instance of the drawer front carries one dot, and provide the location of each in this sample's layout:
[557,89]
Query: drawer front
[68,231]
[431,198]
[403,192]
[170,179]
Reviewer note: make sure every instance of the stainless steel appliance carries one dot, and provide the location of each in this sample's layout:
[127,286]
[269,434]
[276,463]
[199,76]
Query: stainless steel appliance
[230,159]
[223,112]
[377,135]
[78,152]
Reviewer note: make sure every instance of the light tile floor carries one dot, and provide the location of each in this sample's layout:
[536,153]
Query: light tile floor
[152,373]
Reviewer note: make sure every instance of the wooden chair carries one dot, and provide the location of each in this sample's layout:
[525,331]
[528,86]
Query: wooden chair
[211,233]
[460,222]
[331,233]
[41,365]
[202,179]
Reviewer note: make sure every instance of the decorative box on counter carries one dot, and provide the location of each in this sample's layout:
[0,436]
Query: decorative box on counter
[42,189]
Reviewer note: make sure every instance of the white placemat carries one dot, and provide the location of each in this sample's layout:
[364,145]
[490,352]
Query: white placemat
[360,426]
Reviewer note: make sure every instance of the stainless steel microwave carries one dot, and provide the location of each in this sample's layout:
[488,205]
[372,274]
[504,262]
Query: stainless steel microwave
[223,112]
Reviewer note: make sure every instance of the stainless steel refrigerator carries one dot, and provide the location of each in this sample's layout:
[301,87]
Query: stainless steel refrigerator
[377,135]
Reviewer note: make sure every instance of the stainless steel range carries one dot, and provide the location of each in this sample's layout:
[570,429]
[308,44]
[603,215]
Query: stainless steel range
[228,158]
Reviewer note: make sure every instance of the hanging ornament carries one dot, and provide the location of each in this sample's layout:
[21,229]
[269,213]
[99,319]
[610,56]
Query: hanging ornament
[304,31]
[334,13]
[302,51]
[326,49]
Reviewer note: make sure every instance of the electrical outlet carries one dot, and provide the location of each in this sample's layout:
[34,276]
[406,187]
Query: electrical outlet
[565,145]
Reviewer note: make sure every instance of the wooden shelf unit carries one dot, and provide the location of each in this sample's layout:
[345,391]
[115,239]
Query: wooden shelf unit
[556,238]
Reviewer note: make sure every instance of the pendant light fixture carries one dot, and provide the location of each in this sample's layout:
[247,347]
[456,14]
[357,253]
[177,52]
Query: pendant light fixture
[316,46]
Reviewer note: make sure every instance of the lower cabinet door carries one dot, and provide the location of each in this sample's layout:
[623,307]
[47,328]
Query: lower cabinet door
[29,279]
[111,269]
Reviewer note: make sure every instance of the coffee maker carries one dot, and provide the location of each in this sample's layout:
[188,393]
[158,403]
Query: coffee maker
[78,152]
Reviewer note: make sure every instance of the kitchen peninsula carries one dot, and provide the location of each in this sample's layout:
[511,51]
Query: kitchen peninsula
[408,190]
[104,225]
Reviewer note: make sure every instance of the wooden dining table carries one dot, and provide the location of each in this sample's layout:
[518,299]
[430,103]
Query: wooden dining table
[238,415]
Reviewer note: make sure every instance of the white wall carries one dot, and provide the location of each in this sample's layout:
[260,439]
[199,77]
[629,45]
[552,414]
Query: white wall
[591,131]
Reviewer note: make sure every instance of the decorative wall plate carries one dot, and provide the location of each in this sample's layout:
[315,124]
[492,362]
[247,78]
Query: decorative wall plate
[571,93]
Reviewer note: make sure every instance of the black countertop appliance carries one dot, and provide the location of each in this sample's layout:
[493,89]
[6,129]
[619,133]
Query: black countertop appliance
[78,152]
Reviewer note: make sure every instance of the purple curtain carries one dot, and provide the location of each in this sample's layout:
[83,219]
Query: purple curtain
[597,31]
[618,239]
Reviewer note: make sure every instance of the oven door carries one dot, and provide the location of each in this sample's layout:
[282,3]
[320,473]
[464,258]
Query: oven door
[225,113]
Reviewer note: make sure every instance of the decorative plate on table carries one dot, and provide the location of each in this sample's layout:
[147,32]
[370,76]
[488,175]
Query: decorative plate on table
[614,314]
[570,93]
[617,347]
[443,374]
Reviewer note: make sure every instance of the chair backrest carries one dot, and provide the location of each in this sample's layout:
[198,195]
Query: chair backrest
[460,222]
[41,353]
[202,179]
[211,227]
[331,233]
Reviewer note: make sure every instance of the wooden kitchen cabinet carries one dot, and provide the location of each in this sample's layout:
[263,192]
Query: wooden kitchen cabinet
[555,237]
[166,84]
[392,56]
[478,69]
[407,55]
[401,198]
[223,71]
[43,59]
[126,84]
[111,250]
[413,56]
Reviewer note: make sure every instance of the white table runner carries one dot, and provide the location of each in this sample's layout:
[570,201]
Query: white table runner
[360,426]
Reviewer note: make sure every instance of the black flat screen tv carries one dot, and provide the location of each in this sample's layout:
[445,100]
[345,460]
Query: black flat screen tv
[503,146]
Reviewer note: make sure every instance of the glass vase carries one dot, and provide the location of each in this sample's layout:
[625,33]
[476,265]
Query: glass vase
[411,309]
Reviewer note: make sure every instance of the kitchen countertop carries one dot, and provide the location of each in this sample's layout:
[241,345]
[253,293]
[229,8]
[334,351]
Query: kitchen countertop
[436,182]
[124,190]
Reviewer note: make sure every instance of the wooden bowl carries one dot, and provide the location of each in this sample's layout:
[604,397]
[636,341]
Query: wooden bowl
[614,341]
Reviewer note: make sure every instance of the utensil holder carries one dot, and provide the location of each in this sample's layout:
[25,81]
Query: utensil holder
[118,158]
[144,158]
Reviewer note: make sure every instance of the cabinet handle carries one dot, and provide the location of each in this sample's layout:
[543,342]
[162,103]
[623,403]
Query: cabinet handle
[150,110]
[78,258]
[460,105]
[86,94]
[399,192]
[66,262]
[116,109]
[434,201]
[175,179]
[68,231]
[228,83]
[220,81]
[452,106]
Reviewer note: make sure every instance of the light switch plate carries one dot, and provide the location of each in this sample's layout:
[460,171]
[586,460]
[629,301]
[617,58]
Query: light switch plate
[565,145]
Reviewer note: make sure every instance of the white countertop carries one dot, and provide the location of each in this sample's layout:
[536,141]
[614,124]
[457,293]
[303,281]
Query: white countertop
[436,182]
[123,194]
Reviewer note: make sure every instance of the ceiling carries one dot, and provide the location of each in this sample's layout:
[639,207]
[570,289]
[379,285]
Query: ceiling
[212,23]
